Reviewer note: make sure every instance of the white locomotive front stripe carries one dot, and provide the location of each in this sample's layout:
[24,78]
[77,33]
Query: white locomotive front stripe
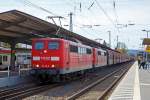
[36,58]
[55,58]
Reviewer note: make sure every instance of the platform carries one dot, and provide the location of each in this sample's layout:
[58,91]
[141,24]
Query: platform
[129,87]
[23,72]
[14,77]
[145,84]
[134,86]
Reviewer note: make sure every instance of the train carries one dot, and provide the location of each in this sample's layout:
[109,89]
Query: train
[56,57]
[21,58]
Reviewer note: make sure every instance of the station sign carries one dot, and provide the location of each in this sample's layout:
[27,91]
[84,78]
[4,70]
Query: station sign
[147,48]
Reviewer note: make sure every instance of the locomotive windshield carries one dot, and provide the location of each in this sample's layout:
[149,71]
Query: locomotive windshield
[39,45]
[53,45]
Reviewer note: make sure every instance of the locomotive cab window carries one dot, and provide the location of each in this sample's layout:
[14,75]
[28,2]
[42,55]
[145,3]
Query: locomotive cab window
[39,45]
[53,45]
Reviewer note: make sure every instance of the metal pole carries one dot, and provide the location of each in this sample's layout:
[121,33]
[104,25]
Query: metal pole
[26,61]
[71,23]
[117,41]
[12,58]
[109,38]
[19,70]
[8,71]
[147,52]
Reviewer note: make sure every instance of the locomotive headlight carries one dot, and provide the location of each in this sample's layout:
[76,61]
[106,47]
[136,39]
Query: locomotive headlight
[37,65]
[45,51]
[53,66]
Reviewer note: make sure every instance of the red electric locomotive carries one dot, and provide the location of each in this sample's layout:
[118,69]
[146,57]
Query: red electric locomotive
[54,56]
[99,57]
[110,57]
[60,57]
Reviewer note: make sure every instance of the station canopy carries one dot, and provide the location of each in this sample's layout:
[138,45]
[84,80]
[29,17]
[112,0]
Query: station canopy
[20,27]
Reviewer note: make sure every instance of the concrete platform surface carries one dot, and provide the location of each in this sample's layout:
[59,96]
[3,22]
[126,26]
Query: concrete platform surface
[14,80]
[129,87]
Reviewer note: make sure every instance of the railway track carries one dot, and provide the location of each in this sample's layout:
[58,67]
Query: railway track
[26,91]
[100,88]
[21,92]
[15,88]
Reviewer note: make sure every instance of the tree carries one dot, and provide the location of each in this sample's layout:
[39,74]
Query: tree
[121,47]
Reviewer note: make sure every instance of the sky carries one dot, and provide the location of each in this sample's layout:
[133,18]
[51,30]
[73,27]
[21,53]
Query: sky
[117,19]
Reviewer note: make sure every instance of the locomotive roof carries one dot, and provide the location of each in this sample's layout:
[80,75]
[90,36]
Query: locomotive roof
[72,42]
[48,38]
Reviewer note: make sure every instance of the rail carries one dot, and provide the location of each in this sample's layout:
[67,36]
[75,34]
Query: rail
[19,93]
[86,89]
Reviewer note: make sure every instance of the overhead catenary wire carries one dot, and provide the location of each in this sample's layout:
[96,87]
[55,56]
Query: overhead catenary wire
[89,20]
[102,9]
[115,23]
[115,12]
[28,3]
[105,13]
[91,28]
[116,16]
[90,6]
[86,32]
[116,19]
